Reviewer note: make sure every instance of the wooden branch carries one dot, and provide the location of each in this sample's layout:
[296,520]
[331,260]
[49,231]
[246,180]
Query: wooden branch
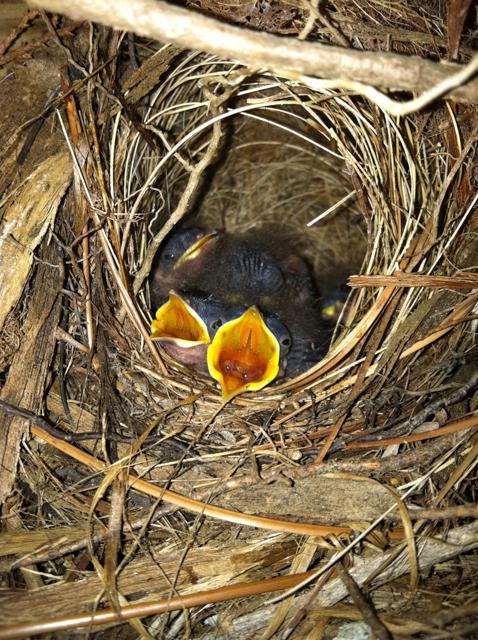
[289,56]
[447,513]
[432,551]
[29,372]
[461,281]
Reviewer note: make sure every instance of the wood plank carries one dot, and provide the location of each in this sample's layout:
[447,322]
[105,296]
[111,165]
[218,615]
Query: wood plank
[25,384]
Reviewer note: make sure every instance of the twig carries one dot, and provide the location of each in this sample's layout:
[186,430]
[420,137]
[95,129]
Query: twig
[317,13]
[64,336]
[43,430]
[302,612]
[447,513]
[452,427]
[27,49]
[169,23]
[13,35]
[183,205]
[311,6]
[363,605]
[390,106]
[460,281]
[42,423]
[90,324]
[444,617]
[408,425]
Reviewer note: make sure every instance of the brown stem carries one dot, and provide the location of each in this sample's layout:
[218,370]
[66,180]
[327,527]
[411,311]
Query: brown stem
[145,609]
[190,29]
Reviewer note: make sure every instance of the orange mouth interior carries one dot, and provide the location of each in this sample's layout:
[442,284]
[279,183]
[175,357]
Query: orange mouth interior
[177,322]
[244,355]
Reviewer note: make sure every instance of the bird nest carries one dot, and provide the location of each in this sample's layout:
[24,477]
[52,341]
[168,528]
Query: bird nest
[172,493]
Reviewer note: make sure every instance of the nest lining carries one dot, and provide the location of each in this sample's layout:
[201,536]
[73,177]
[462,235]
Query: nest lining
[278,129]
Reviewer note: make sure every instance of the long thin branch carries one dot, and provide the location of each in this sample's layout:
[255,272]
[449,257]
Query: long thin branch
[167,496]
[183,205]
[294,58]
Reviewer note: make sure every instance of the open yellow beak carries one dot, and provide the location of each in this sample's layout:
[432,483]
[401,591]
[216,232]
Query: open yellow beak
[177,322]
[195,249]
[244,355]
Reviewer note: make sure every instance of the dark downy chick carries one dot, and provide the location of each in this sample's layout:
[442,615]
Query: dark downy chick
[247,272]
[236,273]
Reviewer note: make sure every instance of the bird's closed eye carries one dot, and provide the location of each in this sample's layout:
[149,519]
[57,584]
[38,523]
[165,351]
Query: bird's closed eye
[216,324]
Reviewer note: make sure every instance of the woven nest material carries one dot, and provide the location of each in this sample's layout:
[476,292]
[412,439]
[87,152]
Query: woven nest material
[199,139]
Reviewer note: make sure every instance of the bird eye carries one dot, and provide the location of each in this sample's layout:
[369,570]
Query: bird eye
[169,257]
[216,324]
[286,342]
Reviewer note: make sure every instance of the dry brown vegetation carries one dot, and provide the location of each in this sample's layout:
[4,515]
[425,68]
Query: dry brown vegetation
[128,488]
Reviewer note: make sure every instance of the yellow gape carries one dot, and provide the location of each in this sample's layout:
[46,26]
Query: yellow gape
[177,322]
[244,355]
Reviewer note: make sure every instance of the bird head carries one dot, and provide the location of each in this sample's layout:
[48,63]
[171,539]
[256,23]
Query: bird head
[179,323]
[299,279]
[182,246]
[332,303]
[186,323]
[179,260]
[244,354]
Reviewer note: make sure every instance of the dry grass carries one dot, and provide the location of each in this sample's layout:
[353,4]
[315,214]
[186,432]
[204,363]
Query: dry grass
[404,361]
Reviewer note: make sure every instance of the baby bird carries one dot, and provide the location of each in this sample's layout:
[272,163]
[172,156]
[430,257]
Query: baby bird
[332,303]
[246,278]
[186,324]
[250,353]
[246,272]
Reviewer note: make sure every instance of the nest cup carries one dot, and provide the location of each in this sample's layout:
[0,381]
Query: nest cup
[280,155]
[276,164]
[242,151]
